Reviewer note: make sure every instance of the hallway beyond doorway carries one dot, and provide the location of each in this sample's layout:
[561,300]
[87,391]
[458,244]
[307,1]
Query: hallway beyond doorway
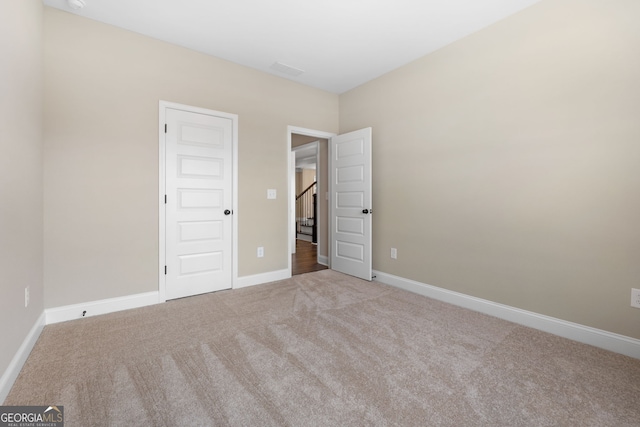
[305,260]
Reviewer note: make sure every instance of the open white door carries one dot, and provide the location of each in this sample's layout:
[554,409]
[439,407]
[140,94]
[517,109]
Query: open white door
[350,187]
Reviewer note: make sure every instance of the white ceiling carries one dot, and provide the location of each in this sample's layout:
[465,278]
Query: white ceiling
[339,44]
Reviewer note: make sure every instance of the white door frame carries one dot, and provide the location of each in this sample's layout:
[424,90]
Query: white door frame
[163,105]
[291,184]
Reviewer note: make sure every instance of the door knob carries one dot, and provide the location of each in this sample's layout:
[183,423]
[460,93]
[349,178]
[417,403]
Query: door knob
[227,212]
[365,211]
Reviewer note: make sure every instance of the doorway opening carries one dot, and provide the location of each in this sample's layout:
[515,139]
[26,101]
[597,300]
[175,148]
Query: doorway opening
[348,195]
[308,221]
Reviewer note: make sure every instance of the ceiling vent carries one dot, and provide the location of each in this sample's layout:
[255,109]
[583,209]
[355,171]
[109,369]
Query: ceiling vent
[286,69]
[76,4]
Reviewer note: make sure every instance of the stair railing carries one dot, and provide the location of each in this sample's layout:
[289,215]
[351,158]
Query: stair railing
[306,212]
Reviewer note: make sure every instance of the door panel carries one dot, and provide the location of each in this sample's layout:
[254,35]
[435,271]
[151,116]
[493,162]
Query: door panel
[351,196]
[198,153]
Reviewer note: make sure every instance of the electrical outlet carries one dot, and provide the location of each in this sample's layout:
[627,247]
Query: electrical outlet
[394,253]
[271,194]
[635,298]
[260,252]
[26,297]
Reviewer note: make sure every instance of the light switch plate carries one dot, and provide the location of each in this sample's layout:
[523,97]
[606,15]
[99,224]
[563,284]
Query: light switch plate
[635,298]
[271,193]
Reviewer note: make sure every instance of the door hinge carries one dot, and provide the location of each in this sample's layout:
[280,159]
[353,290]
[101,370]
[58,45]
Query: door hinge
[165,128]
[165,199]
[165,269]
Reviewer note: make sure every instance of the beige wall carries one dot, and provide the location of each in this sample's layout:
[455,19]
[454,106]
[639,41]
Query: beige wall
[298,140]
[307,177]
[506,165]
[21,171]
[102,88]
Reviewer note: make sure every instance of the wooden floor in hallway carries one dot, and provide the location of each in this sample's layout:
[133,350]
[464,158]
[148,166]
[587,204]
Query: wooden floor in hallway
[305,260]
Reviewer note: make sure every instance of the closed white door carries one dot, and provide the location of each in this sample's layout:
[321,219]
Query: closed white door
[198,208]
[350,184]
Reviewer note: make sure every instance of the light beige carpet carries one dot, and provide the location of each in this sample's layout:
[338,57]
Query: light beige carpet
[322,349]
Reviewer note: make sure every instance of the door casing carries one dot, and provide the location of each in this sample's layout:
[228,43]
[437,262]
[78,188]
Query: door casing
[292,188]
[163,106]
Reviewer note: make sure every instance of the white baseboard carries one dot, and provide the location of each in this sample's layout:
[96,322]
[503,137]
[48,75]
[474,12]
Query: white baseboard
[324,260]
[94,308]
[574,331]
[10,375]
[258,279]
